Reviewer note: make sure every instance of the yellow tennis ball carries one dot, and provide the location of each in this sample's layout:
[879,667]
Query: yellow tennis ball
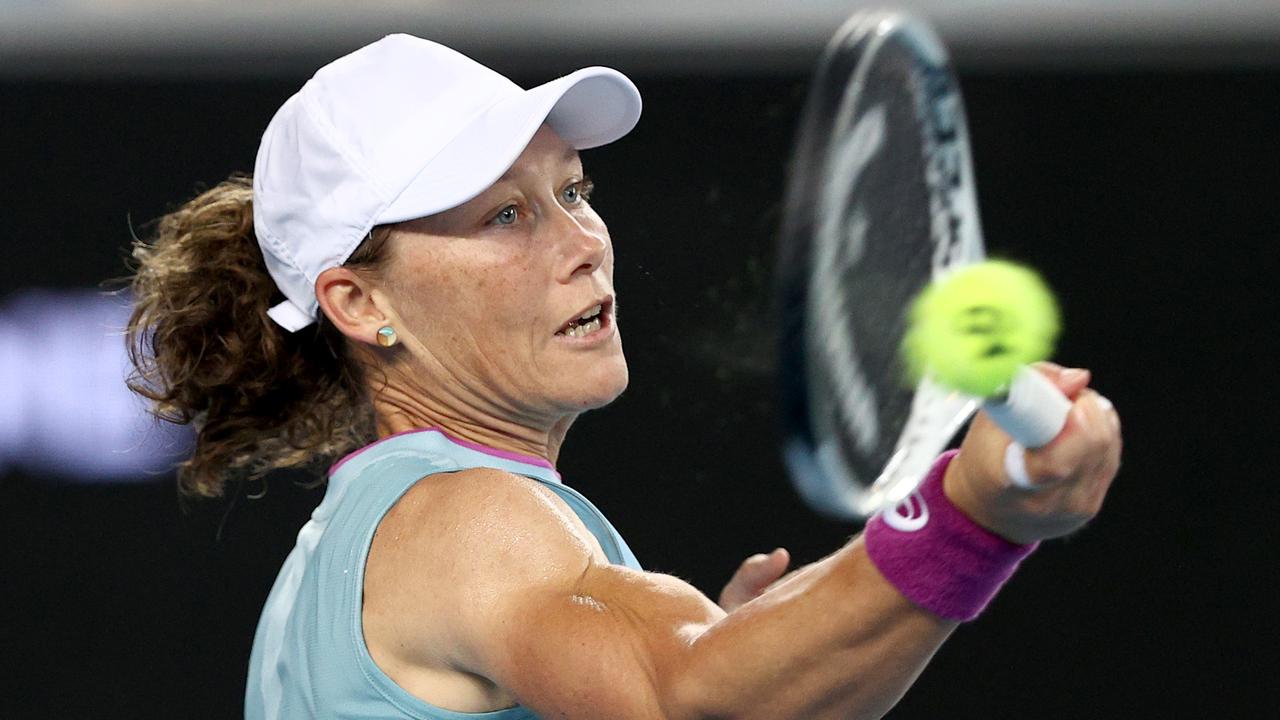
[973,327]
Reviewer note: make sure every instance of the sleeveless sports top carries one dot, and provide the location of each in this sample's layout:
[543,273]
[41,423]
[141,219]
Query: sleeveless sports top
[309,658]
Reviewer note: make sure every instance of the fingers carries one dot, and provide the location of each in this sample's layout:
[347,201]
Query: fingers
[752,577]
[1047,492]
[1069,380]
[1110,411]
[760,571]
[1082,462]
[1073,381]
[1111,440]
[1089,440]
[1097,417]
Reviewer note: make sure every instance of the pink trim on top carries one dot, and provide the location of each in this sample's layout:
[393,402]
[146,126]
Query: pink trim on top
[504,454]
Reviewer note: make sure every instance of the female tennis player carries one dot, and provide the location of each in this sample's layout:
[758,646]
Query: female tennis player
[416,261]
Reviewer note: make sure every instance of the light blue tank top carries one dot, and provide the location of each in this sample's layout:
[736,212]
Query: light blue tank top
[309,657]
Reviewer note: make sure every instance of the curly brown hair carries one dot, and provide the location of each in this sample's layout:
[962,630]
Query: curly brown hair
[205,352]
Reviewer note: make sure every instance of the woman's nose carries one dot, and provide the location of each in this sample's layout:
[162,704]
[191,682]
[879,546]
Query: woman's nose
[586,246]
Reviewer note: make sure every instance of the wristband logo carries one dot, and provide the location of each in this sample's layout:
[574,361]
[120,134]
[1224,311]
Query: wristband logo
[908,516]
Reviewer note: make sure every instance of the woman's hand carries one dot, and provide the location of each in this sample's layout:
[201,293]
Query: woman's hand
[1070,476]
[753,577]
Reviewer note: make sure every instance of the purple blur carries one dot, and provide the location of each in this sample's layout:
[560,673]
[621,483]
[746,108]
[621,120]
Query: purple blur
[64,407]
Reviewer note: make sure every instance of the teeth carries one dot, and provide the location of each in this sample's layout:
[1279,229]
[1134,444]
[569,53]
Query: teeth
[583,329]
[585,324]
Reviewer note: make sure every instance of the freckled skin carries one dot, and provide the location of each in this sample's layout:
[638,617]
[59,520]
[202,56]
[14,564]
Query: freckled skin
[484,302]
[476,295]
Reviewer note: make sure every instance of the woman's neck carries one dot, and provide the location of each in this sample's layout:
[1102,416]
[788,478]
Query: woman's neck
[397,412]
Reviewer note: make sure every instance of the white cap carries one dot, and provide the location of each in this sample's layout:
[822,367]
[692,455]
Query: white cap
[401,129]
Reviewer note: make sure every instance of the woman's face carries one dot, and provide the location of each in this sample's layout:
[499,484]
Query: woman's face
[492,294]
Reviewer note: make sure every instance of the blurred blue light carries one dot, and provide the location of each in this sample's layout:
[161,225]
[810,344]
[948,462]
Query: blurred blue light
[64,408]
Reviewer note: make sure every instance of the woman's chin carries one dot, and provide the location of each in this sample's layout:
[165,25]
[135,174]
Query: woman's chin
[598,388]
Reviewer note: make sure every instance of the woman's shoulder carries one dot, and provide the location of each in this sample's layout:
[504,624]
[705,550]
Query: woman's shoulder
[456,532]
[450,507]
[452,540]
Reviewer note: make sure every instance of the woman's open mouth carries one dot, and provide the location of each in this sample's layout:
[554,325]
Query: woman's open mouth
[589,322]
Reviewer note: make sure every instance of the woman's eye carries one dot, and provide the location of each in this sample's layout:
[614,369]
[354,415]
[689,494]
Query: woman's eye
[577,192]
[506,216]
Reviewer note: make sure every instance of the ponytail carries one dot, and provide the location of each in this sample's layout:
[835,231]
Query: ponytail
[206,354]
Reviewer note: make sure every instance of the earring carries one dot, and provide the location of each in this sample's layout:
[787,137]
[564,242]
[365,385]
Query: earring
[387,336]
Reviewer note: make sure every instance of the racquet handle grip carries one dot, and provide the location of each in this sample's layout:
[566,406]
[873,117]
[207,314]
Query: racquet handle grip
[1034,411]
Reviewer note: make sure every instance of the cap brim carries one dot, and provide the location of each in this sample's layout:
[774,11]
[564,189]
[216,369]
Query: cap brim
[588,108]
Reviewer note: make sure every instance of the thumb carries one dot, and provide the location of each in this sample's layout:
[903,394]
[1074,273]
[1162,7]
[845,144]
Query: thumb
[1069,380]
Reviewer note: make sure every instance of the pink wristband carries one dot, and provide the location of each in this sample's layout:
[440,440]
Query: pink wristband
[936,556]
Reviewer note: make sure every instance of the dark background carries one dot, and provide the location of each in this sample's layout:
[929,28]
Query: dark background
[1148,199]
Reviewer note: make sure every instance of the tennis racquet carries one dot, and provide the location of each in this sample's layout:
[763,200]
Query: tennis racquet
[880,202]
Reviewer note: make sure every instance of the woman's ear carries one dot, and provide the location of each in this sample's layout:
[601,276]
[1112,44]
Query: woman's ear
[346,298]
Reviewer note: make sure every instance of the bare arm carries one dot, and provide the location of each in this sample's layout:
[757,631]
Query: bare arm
[572,636]
[833,640]
[524,597]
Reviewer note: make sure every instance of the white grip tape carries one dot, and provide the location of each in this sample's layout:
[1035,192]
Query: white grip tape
[1015,466]
[1034,412]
